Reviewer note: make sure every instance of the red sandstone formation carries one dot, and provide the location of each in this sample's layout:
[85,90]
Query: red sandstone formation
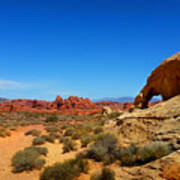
[164,81]
[72,105]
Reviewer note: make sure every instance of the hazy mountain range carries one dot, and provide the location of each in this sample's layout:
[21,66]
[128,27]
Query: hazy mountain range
[121,99]
[3,99]
[115,99]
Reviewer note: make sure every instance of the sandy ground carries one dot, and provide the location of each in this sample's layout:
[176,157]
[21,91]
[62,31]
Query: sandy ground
[8,147]
[18,141]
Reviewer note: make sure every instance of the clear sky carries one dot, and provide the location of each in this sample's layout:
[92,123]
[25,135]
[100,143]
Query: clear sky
[89,48]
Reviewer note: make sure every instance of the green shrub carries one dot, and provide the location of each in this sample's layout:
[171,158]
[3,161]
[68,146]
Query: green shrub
[85,140]
[40,150]
[106,174]
[33,132]
[114,115]
[69,146]
[76,136]
[134,155]
[4,133]
[38,141]
[65,126]
[97,151]
[69,132]
[64,171]
[53,129]
[13,128]
[82,164]
[103,148]
[98,130]
[49,138]
[52,118]
[128,155]
[55,135]
[153,151]
[108,139]
[63,139]
[27,160]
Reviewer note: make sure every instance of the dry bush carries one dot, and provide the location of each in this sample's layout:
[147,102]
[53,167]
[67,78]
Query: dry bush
[106,174]
[28,159]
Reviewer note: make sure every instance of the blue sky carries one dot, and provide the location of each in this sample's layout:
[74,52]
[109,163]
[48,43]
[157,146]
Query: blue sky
[92,48]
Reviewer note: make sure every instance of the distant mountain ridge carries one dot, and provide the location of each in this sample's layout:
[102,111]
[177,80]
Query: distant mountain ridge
[3,99]
[114,99]
[121,99]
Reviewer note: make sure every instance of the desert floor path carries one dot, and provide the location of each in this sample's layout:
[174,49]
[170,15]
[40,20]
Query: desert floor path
[8,147]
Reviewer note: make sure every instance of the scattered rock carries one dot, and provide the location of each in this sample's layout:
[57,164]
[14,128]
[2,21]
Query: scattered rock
[106,110]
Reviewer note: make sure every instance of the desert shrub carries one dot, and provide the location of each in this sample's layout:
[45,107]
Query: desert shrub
[69,146]
[64,171]
[76,135]
[33,132]
[103,148]
[106,138]
[106,174]
[13,128]
[4,133]
[153,151]
[97,152]
[82,164]
[55,135]
[85,140]
[69,132]
[134,155]
[52,118]
[98,130]
[114,115]
[27,160]
[53,129]
[48,138]
[38,141]
[63,139]
[84,127]
[40,150]
[24,123]
[128,155]
[65,126]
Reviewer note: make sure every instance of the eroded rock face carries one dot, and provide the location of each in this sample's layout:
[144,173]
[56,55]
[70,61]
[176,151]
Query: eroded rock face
[72,105]
[164,81]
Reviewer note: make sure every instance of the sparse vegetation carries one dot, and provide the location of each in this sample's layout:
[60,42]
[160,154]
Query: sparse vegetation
[69,132]
[69,146]
[53,129]
[33,132]
[40,150]
[4,132]
[63,139]
[76,135]
[55,135]
[98,130]
[65,126]
[52,118]
[114,115]
[103,148]
[65,171]
[28,159]
[38,141]
[85,140]
[134,155]
[106,174]
[48,138]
